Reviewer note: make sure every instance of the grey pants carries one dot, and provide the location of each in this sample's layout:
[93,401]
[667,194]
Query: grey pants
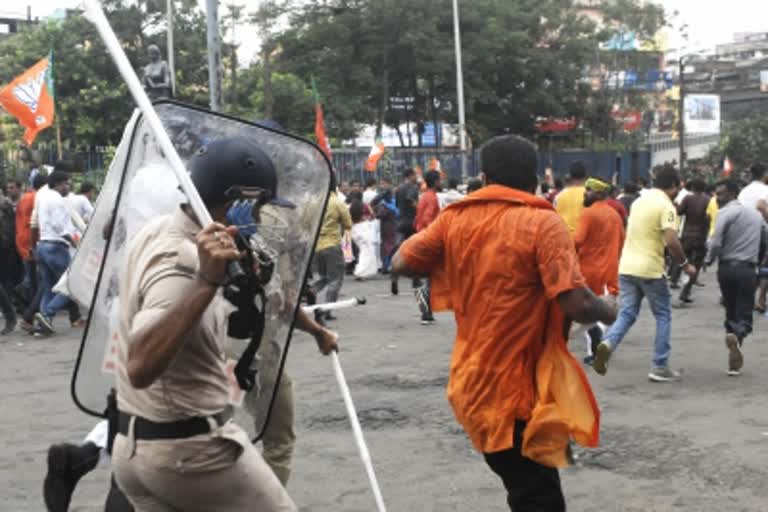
[329,265]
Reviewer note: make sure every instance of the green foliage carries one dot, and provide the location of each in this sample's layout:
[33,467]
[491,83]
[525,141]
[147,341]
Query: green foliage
[743,142]
[92,100]
[522,59]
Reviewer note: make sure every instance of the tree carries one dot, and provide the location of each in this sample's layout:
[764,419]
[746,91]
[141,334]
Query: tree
[522,59]
[92,100]
[743,142]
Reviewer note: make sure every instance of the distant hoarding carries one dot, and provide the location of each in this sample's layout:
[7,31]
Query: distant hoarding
[702,113]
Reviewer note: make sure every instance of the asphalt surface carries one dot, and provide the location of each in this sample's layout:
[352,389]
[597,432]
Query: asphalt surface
[700,444]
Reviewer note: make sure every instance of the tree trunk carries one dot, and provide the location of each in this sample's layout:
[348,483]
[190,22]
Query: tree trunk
[268,106]
[384,99]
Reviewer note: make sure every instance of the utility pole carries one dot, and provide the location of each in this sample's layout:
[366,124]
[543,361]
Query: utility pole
[681,115]
[459,91]
[171,65]
[214,54]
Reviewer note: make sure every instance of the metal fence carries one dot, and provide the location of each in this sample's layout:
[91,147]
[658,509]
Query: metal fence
[627,166]
[350,163]
[91,164]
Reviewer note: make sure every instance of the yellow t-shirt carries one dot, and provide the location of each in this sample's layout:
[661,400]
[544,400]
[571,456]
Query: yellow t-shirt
[712,210]
[569,204]
[643,254]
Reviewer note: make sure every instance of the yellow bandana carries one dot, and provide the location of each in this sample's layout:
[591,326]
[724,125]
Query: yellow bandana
[597,185]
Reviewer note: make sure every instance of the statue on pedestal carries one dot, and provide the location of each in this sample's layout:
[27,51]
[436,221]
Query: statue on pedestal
[157,76]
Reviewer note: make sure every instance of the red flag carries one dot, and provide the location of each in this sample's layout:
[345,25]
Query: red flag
[29,98]
[322,138]
[727,167]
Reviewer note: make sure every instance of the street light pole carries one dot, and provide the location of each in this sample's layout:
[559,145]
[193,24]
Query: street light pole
[681,114]
[460,90]
[171,65]
[214,54]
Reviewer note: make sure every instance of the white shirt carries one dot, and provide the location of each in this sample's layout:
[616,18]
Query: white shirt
[753,193]
[369,195]
[449,197]
[53,217]
[36,208]
[681,195]
[80,204]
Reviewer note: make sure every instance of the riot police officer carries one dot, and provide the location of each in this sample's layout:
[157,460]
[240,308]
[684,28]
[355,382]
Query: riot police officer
[177,447]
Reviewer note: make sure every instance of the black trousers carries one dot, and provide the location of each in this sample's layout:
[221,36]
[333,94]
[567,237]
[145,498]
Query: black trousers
[695,252]
[530,486]
[737,285]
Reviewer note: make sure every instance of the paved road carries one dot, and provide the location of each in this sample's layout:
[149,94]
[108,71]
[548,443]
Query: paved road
[698,445]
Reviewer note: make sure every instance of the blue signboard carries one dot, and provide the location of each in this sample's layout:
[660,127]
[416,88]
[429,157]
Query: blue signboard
[429,137]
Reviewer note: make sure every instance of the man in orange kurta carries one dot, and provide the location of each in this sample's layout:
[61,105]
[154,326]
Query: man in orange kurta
[503,261]
[599,239]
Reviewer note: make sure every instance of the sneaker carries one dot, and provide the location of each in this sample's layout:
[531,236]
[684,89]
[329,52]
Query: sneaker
[674,286]
[602,356]
[735,357]
[733,373]
[80,322]
[44,324]
[664,374]
[427,320]
[67,463]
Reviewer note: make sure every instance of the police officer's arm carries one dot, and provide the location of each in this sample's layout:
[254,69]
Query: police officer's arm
[326,340]
[154,346]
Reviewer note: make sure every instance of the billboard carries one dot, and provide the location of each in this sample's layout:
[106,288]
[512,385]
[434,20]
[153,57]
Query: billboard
[764,80]
[702,113]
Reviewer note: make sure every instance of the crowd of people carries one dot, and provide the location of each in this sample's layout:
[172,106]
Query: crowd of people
[41,223]
[593,250]
[365,224]
[672,232]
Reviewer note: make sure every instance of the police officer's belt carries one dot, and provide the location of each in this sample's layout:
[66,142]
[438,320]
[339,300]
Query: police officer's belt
[146,429]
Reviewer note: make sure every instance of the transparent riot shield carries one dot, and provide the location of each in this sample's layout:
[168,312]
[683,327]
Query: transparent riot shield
[139,187]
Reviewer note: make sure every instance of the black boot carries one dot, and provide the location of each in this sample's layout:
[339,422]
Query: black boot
[67,463]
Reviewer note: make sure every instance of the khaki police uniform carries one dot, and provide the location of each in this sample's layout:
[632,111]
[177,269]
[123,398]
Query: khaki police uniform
[220,470]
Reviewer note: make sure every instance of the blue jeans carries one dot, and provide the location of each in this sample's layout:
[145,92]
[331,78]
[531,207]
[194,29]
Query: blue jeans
[53,260]
[632,290]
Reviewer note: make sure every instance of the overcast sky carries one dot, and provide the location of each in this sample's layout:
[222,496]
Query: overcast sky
[709,22]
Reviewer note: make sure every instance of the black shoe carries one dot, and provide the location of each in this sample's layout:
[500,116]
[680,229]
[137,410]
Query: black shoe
[427,320]
[687,300]
[329,317]
[674,286]
[10,325]
[395,289]
[67,463]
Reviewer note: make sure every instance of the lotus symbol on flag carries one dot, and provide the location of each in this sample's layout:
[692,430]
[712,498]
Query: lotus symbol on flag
[29,92]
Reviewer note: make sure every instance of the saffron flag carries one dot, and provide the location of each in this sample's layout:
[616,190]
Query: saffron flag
[29,98]
[727,167]
[377,151]
[322,138]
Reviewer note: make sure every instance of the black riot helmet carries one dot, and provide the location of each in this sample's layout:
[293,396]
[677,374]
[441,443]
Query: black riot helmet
[232,169]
